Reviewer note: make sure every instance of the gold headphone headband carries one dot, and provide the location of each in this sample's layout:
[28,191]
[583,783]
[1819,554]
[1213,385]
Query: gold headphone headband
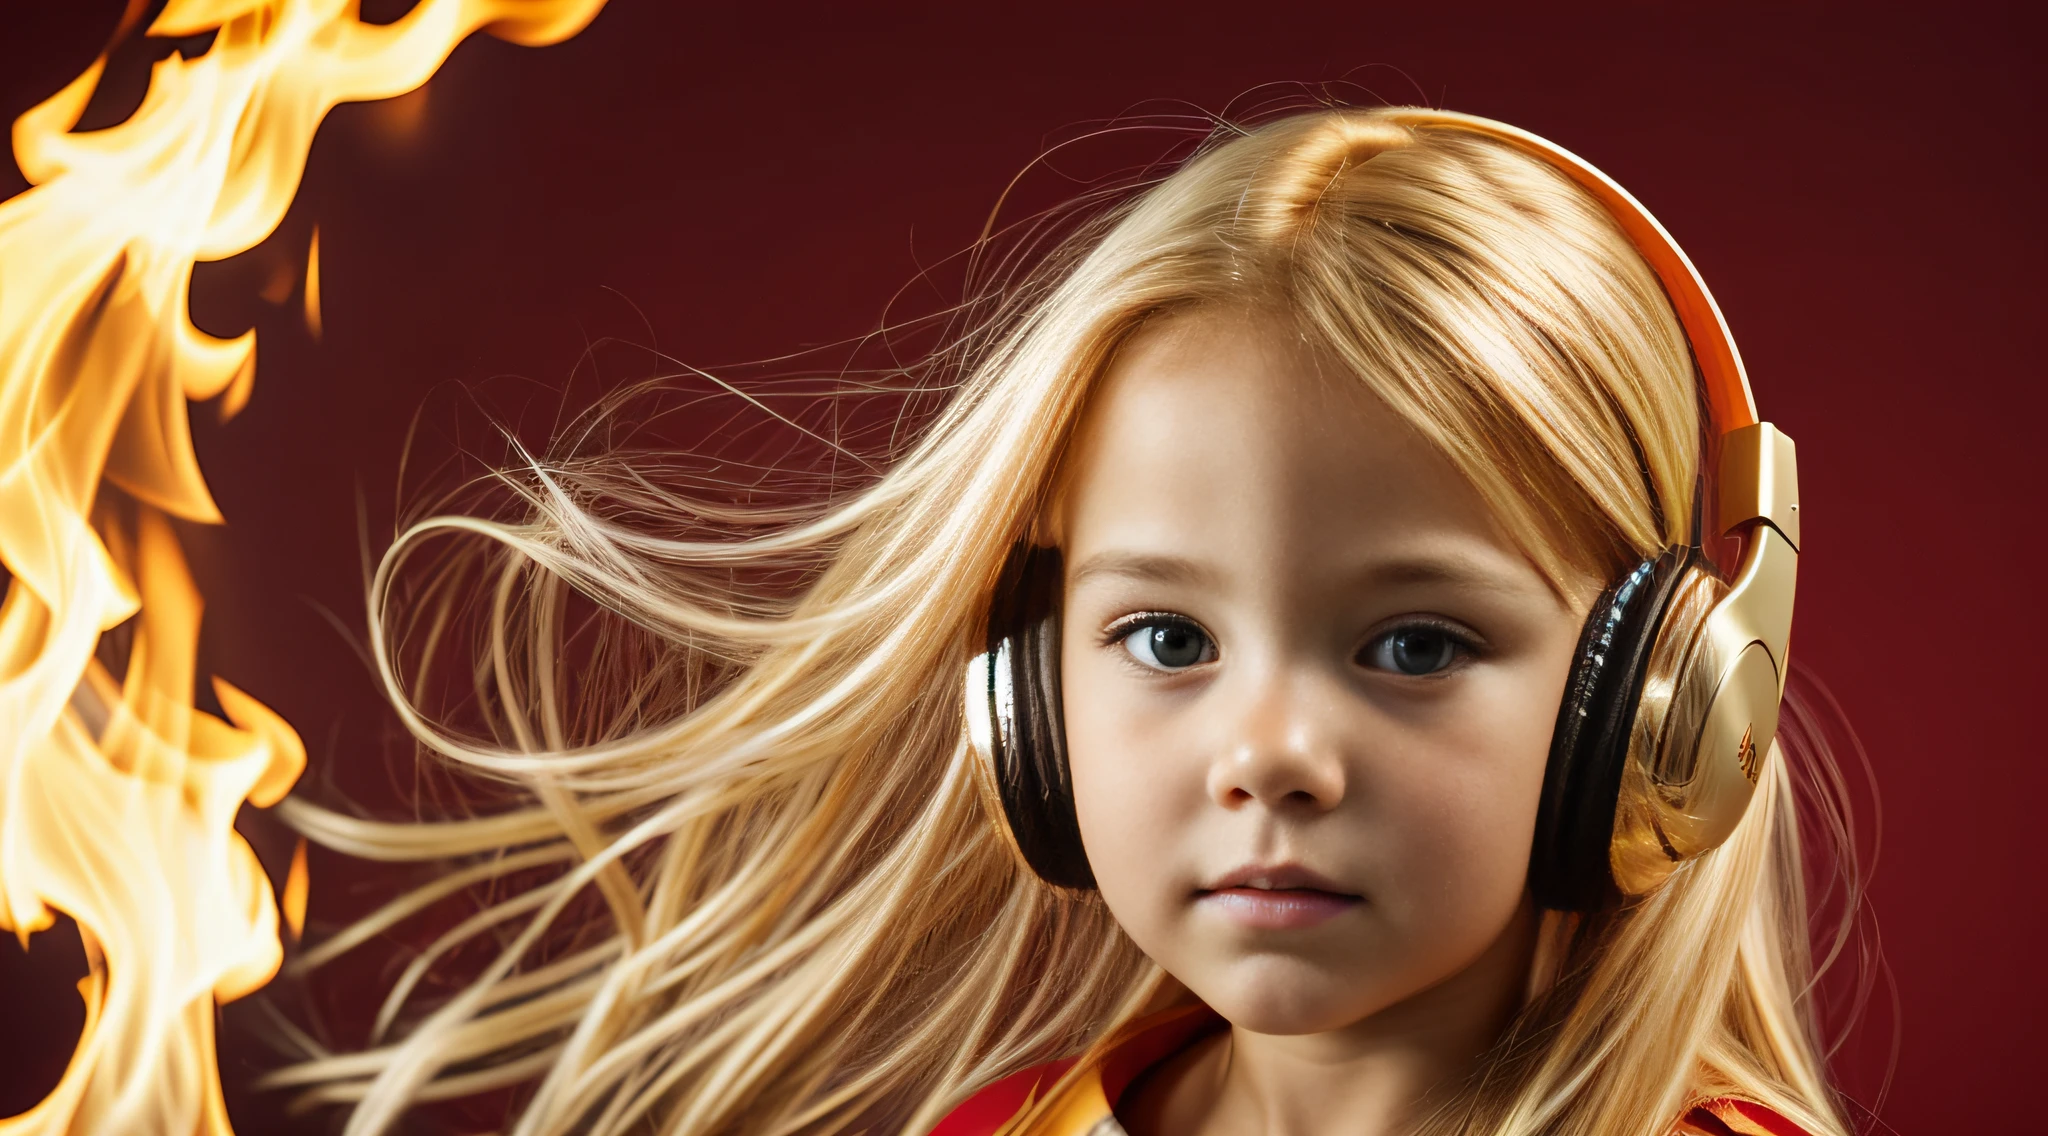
[1721,373]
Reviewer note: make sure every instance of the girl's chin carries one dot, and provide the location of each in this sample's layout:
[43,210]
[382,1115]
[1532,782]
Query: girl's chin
[1279,1015]
[1283,998]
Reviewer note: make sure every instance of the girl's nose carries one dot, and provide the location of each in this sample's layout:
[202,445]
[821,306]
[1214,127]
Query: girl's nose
[1280,747]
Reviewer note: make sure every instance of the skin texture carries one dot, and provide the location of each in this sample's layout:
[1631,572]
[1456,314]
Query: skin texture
[1227,477]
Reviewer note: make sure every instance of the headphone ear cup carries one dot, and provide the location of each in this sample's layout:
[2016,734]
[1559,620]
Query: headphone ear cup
[1017,683]
[1568,867]
[1691,793]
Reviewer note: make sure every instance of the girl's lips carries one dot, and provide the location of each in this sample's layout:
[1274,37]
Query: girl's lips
[1277,908]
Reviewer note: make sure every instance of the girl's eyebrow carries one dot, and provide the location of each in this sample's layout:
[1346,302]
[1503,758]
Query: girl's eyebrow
[1452,570]
[1447,569]
[1150,567]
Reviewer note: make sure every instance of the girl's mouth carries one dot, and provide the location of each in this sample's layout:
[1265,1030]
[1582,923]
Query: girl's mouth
[1277,908]
[1276,897]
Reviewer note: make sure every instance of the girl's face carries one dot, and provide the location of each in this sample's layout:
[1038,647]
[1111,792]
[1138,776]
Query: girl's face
[1309,684]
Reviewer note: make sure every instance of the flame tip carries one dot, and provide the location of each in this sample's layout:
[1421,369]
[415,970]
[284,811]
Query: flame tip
[297,885]
[312,290]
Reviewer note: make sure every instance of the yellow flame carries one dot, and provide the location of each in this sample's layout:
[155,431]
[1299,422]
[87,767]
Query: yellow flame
[297,887]
[313,286]
[118,796]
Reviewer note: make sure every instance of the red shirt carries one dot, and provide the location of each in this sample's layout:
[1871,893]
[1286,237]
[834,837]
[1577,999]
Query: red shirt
[1085,1106]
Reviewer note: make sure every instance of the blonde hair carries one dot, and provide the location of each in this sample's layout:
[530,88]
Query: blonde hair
[808,921]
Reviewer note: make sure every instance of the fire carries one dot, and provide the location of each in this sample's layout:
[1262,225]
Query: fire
[117,793]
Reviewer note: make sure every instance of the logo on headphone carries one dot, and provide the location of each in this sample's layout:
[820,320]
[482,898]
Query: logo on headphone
[1745,754]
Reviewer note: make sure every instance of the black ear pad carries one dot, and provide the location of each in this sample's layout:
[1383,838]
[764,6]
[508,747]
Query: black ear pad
[1029,741]
[1568,868]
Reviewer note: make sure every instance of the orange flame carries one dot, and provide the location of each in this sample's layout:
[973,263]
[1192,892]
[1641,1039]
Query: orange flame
[117,795]
[313,324]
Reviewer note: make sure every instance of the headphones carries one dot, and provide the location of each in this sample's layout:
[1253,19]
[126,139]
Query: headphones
[1603,830]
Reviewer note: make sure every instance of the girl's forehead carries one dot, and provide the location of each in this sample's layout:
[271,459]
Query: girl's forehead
[1227,429]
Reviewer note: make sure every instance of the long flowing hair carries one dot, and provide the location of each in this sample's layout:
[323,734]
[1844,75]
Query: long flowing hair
[805,920]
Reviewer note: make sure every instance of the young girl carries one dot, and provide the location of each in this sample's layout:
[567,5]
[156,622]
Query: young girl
[1319,534]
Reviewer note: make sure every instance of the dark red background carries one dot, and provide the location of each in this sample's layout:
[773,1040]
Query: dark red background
[1859,184]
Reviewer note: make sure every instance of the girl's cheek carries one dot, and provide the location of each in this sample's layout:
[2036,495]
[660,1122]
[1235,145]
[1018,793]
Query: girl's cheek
[1464,811]
[1136,794]
[1122,775]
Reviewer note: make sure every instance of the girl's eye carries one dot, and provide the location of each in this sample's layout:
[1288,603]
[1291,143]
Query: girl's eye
[1168,644]
[1416,650]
